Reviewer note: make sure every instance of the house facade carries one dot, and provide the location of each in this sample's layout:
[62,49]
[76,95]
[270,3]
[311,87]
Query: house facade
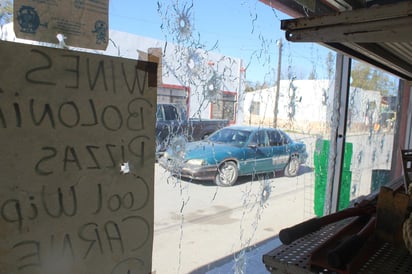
[299,107]
[208,84]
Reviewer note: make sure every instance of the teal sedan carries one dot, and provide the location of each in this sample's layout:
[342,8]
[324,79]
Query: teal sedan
[235,151]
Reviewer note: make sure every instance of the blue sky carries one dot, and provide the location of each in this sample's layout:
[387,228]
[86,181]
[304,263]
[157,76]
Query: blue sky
[245,29]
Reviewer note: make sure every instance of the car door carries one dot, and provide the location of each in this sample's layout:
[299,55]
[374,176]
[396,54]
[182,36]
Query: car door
[168,124]
[280,149]
[258,154]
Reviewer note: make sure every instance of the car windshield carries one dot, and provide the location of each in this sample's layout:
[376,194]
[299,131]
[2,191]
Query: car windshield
[230,136]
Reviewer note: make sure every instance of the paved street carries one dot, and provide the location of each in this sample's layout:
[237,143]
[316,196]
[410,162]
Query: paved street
[199,223]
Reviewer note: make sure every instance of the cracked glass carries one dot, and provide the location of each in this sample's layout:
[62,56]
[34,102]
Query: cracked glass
[222,197]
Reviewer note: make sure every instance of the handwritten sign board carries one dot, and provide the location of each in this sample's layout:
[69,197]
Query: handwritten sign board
[83,23]
[77,162]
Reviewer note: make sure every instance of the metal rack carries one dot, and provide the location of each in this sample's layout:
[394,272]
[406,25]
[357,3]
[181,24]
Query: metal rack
[375,258]
[383,252]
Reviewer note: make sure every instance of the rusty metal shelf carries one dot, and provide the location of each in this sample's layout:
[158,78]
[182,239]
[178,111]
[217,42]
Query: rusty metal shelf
[295,258]
[374,258]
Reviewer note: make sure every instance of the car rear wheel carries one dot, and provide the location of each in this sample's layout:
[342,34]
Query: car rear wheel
[227,174]
[292,168]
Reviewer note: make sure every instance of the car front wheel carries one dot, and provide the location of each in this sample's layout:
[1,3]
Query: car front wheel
[227,174]
[292,168]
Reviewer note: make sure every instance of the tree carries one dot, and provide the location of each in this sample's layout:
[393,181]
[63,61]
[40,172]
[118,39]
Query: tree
[312,74]
[330,65]
[249,86]
[369,78]
[6,12]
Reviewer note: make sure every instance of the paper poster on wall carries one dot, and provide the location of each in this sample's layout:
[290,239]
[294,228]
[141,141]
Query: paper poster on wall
[77,162]
[78,23]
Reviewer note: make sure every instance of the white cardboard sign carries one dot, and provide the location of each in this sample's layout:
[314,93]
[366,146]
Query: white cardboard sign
[77,162]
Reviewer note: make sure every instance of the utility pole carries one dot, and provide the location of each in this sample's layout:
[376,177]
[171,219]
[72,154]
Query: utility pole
[276,102]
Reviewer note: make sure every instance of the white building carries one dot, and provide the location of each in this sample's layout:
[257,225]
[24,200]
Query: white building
[208,83]
[306,106]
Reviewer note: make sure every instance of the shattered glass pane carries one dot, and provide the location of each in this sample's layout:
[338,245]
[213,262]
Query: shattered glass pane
[225,63]
[373,105]
[218,85]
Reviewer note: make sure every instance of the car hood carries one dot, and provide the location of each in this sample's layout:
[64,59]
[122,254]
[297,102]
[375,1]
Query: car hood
[211,152]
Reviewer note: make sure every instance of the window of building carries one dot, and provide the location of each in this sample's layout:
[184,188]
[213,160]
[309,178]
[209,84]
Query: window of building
[173,94]
[211,47]
[255,108]
[372,107]
[225,108]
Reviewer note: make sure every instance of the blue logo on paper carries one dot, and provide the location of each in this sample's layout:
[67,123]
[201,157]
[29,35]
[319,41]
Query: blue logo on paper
[100,28]
[79,4]
[28,19]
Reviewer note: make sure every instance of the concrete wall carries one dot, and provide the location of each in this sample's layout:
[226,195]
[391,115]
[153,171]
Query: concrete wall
[306,106]
[206,74]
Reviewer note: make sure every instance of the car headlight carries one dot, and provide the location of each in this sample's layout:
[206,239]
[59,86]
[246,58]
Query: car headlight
[166,155]
[196,162]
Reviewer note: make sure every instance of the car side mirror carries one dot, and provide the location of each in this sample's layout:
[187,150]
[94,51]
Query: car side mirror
[254,146]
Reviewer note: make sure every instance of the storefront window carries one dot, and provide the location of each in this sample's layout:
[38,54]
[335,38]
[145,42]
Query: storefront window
[230,77]
[228,60]
[372,112]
